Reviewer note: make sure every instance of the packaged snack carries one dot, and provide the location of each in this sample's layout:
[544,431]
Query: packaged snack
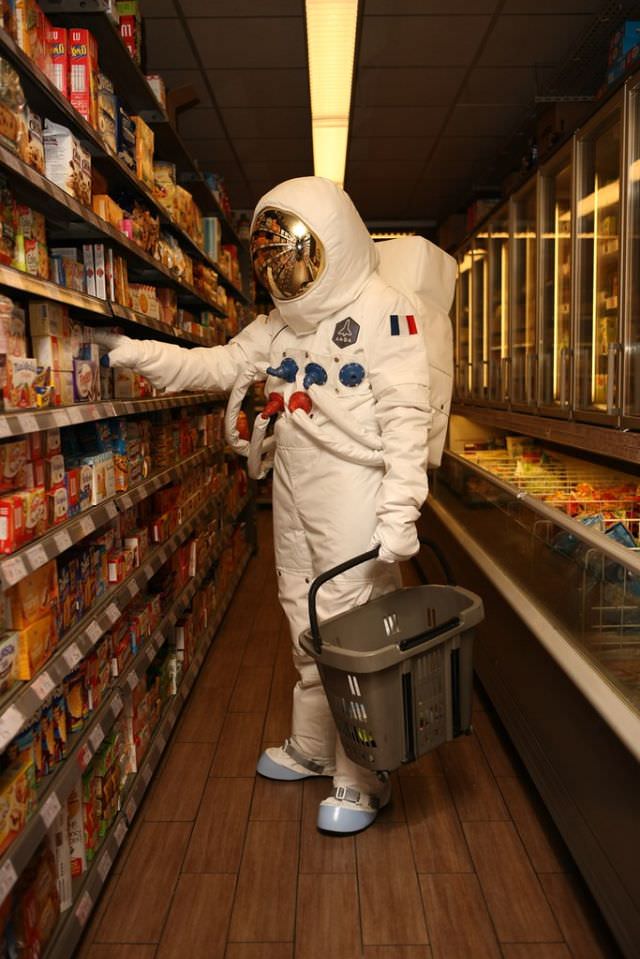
[83,74]
[32,145]
[86,381]
[61,383]
[12,328]
[107,113]
[13,456]
[144,151]
[34,511]
[144,300]
[77,853]
[17,798]
[36,643]
[8,660]
[11,523]
[57,41]
[59,838]
[7,221]
[48,319]
[19,391]
[32,598]
[12,106]
[126,131]
[53,351]
[130,27]
[67,162]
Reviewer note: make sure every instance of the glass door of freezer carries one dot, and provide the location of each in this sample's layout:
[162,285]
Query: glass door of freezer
[554,355]
[598,245]
[498,307]
[632,283]
[463,352]
[524,299]
[479,318]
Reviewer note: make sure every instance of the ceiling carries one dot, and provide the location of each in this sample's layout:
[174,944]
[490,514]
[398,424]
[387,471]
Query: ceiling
[442,88]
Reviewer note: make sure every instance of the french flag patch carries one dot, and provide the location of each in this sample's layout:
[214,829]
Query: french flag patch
[403,325]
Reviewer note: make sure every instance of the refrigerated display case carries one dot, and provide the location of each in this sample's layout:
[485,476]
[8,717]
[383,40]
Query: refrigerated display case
[498,321]
[524,296]
[598,350]
[479,318]
[632,284]
[462,328]
[551,542]
[554,356]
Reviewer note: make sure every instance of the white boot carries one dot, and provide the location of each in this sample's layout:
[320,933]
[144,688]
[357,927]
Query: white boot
[349,810]
[286,763]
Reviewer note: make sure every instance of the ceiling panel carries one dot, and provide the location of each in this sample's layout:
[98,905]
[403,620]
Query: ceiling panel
[242,8]
[521,40]
[397,121]
[398,170]
[485,119]
[250,41]
[212,150]
[406,86]
[194,78]
[252,88]
[422,7]
[157,8]
[299,150]
[200,122]
[552,6]
[505,84]
[267,122]
[462,156]
[166,45]
[420,41]
[389,148]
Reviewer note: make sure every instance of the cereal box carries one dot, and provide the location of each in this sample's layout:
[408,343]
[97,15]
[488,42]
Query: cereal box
[144,151]
[8,660]
[36,643]
[67,162]
[57,40]
[19,391]
[83,74]
[17,797]
[11,524]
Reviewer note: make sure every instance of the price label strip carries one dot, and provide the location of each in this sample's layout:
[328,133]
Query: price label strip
[84,907]
[50,810]
[104,866]
[72,656]
[112,613]
[62,540]
[42,686]
[87,525]
[8,879]
[93,631]
[13,570]
[37,556]
[121,830]
[28,423]
[96,737]
[10,722]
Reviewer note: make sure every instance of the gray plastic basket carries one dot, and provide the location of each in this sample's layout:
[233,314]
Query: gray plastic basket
[397,670]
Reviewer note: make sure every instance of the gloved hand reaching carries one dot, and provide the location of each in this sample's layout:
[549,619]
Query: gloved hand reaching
[123,351]
[396,545]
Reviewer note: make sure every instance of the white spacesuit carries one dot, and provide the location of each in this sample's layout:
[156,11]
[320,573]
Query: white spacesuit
[350,456]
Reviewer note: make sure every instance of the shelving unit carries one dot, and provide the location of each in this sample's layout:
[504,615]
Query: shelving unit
[69,220]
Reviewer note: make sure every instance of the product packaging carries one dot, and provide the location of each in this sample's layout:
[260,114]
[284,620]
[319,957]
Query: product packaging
[144,151]
[68,164]
[58,43]
[83,74]
[129,21]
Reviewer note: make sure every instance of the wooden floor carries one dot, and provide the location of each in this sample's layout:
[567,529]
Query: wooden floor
[464,864]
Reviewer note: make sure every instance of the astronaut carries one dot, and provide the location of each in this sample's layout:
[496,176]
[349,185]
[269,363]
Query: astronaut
[345,356]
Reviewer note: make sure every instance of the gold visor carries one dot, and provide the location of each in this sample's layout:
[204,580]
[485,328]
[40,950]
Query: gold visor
[287,256]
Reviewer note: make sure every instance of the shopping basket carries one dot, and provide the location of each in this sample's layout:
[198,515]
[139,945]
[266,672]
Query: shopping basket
[397,670]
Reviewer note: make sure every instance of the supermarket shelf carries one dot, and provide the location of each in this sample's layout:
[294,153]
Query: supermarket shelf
[124,313]
[25,283]
[601,440]
[85,225]
[21,702]
[20,564]
[57,787]
[17,424]
[74,920]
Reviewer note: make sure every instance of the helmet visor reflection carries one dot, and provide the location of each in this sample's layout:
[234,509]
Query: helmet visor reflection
[286,254]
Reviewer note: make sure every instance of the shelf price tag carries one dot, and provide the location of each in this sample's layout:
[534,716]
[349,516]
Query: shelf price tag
[72,656]
[13,570]
[37,556]
[28,423]
[112,613]
[87,525]
[62,540]
[8,879]
[116,703]
[93,631]
[61,417]
[132,680]
[84,907]
[50,810]
[125,501]
[10,722]
[83,756]
[121,830]
[104,866]
[112,509]
[145,775]
[96,737]
[76,414]
[5,429]
[42,686]
[162,742]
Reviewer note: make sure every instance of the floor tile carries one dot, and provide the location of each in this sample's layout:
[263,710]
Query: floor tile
[426,765]
[536,950]
[197,922]
[203,716]
[120,951]
[239,745]
[540,837]
[516,902]
[177,790]
[264,907]
[140,901]
[577,916]
[218,834]
[251,692]
[320,853]
[389,894]
[259,950]
[472,785]
[436,834]
[457,918]
[328,919]
[397,952]
[276,800]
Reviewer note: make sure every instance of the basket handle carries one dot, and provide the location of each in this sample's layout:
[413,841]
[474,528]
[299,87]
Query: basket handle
[349,564]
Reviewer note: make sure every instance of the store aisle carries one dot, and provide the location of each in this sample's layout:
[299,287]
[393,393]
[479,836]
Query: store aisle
[222,865]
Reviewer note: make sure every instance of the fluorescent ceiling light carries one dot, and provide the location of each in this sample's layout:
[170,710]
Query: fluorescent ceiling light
[331,41]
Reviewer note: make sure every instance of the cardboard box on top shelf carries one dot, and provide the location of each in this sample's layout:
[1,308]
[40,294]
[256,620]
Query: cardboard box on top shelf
[451,232]
[83,74]
[556,121]
[623,40]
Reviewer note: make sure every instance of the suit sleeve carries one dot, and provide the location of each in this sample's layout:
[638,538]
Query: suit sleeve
[171,367]
[399,374]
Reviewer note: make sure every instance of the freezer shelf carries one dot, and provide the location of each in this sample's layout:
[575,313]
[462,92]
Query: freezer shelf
[567,531]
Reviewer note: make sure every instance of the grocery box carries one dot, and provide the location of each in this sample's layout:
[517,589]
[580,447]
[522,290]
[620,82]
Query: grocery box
[67,162]
[31,598]
[144,151]
[57,40]
[36,643]
[144,299]
[86,381]
[83,74]
[53,351]
[19,390]
[48,319]
[77,853]
[623,39]
[17,798]
[126,139]
[8,660]
[129,22]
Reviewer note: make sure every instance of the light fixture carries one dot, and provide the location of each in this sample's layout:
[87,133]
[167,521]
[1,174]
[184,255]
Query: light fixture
[331,41]
[390,235]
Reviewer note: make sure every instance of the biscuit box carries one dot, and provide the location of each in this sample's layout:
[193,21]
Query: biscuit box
[83,74]
[8,660]
[19,391]
[67,162]
[32,597]
[36,644]
[17,797]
